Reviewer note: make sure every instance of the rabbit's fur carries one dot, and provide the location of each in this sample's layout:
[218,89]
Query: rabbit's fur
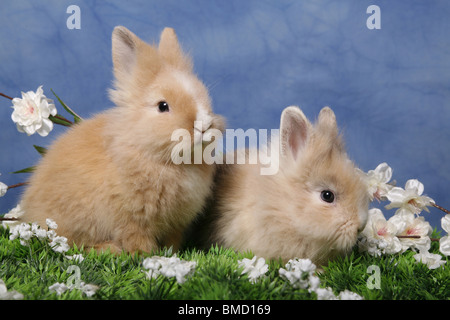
[109,182]
[283,215]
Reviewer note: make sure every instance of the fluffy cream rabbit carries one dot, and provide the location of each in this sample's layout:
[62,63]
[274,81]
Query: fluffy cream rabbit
[109,182]
[313,207]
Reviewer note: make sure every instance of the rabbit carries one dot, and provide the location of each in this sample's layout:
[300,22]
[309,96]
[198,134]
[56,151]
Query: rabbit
[110,182]
[313,207]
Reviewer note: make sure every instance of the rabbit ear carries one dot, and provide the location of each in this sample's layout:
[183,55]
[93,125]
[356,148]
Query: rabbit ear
[124,50]
[294,131]
[327,121]
[170,50]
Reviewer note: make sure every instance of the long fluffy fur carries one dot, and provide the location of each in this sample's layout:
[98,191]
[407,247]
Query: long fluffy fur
[282,215]
[109,182]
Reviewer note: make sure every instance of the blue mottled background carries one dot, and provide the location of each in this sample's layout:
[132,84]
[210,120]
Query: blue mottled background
[389,88]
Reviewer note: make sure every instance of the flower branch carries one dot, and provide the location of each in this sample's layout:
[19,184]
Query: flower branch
[4,95]
[440,208]
[405,229]
[17,185]
[34,112]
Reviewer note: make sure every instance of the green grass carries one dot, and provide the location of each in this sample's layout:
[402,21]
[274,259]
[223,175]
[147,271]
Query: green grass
[31,269]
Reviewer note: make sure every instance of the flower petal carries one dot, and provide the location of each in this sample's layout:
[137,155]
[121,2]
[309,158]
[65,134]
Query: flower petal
[444,245]
[384,171]
[396,195]
[445,223]
[414,185]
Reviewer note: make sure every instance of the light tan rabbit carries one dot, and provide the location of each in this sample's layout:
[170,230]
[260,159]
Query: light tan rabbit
[313,207]
[110,181]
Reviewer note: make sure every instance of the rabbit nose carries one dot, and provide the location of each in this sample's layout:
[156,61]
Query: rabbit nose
[203,122]
[200,127]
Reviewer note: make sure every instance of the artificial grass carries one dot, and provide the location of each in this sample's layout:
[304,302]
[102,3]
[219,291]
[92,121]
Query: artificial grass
[32,269]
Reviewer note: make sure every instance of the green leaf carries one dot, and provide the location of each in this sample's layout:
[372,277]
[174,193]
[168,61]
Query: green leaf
[26,170]
[39,149]
[60,120]
[76,117]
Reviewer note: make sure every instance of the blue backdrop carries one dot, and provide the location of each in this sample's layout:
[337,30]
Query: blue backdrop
[389,87]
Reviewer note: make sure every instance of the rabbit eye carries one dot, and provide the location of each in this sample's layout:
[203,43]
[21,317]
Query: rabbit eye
[327,196]
[163,106]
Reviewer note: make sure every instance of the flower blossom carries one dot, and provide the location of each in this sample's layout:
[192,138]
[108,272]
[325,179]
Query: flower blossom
[8,295]
[38,231]
[349,295]
[25,231]
[169,267]
[433,261]
[328,294]
[51,223]
[298,273]
[16,212]
[377,181]
[410,199]
[31,113]
[444,242]
[75,257]
[59,288]
[408,225]
[378,236]
[59,244]
[88,289]
[22,231]
[3,189]
[255,268]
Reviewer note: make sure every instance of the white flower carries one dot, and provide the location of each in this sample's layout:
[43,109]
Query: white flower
[59,288]
[169,267]
[59,244]
[31,113]
[88,289]
[328,294]
[8,295]
[298,273]
[3,189]
[22,232]
[25,231]
[51,234]
[445,223]
[325,294]
[349,295]
[408,225]
[378,236]
[314,283]
[38,231]
[433,261]
[76,257]
[410,199]
[444,245]
[16,212]
[255,268]
[51,224]
[444,242]
[377,181]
